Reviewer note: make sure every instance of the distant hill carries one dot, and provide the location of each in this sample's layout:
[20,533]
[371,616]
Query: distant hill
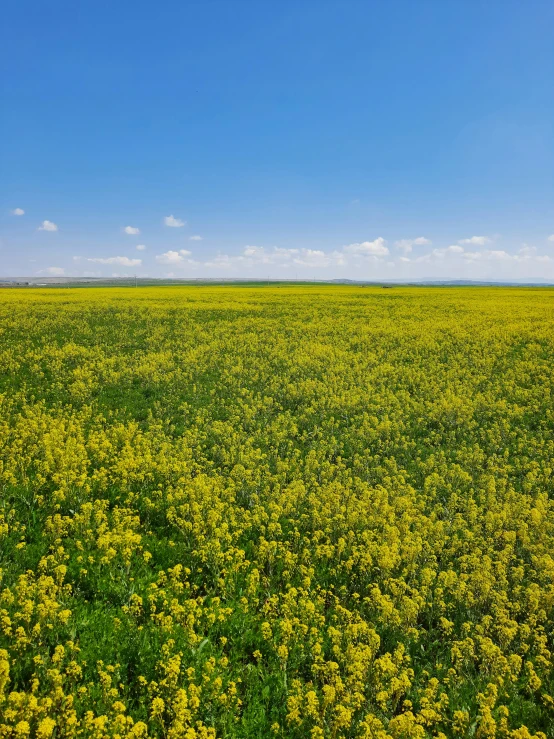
[131,281]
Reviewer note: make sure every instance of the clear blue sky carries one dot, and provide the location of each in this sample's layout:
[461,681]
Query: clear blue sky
[298,137]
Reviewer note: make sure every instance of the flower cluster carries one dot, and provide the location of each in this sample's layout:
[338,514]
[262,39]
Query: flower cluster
[292,512]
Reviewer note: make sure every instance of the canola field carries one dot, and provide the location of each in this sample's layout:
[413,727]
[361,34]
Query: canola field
[276,512]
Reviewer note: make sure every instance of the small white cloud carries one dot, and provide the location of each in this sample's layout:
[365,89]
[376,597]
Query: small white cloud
[497,254]
[252,251]
[319,258]
[475,240]
[55,271]
[196,237]
[174,222]
[441,253]
[551,237]
[275,255]
[281,251]
[121,261]
[18,212]
[253,256]
[528,251]
[48,226]
[406,245]
[313,256]
[131,230]
[173,257]
[223,261]
[141,247]
[376,248]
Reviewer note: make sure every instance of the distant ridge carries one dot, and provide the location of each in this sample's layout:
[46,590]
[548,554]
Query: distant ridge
[131,281]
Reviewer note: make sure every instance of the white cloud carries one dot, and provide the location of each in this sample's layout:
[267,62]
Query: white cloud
[174,222]
[121,261]
[318,258]
[406,245]
[18,212]
[223,261]
[528,251]
[250,255]
[496,254]
[551,237]
[196,237]
[173,257]
[376,248]
[476,240]
[253,256]
[55,271]
[471,257]
[280,251]
[440,253]
[48,226]
[252,251]
[141,247]
[131,230]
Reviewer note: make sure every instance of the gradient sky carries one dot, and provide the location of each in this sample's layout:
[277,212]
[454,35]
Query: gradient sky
[397,139]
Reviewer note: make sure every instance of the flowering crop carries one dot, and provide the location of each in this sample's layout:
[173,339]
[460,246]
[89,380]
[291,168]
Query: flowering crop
[276,512]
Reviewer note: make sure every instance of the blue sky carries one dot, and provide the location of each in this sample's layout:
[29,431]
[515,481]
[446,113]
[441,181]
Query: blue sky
[301,138]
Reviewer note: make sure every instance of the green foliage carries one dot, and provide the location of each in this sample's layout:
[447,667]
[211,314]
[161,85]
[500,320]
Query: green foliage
[288,511]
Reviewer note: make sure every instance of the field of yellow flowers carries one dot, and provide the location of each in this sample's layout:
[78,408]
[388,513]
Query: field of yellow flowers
[276,512]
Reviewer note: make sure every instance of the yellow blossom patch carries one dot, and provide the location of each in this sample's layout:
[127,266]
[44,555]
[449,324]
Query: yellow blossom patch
[296,512]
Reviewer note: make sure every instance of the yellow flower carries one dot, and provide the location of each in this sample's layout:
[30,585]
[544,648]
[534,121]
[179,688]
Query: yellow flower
[157,707]
[45,728]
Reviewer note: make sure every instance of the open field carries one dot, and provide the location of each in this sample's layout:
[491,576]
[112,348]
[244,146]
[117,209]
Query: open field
[276,512]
